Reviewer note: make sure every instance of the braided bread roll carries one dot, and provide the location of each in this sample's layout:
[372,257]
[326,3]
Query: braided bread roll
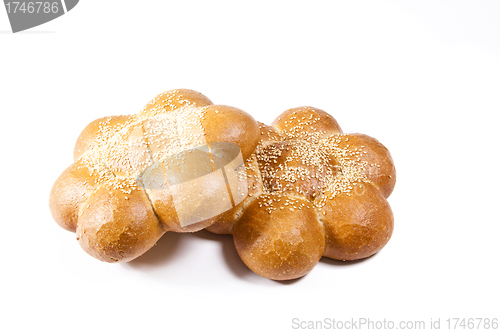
[114,197]
[313,192]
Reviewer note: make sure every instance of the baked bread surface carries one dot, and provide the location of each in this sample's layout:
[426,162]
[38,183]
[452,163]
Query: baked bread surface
[317,192]
[111,197]
[309,189]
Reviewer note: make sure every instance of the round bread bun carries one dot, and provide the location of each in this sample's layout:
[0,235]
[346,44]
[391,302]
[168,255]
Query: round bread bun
[340,183]
[283,244]
[118,223]
[72,188]
[137,176]
[379,168]
[357,224]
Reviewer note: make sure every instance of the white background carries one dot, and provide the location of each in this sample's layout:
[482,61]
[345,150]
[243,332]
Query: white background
[423,77]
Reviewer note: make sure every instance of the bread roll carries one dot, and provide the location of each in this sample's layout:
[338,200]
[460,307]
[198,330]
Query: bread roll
[163,169]
[289,193]
[357,224]
[336,185]
[72,188]
[280,242]
[118,223]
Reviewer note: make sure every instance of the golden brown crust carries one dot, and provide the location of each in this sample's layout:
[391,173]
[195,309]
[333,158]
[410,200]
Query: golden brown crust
[295,123]
[224,223]
[124,153]
[357,224]
[98,132]
[72,188]
[305,156]
[379,168]
[223,123]
[283,245]
[120,152]
[173,100]
[268,134]
[118,224]
[296,166]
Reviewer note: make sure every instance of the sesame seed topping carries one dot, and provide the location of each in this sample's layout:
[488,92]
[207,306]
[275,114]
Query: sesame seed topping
[309,165]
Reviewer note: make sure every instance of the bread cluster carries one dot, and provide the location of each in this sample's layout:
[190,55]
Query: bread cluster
[289,193]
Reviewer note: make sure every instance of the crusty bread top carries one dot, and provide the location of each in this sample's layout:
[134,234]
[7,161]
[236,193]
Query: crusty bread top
[120,152]
[124,146]
[323,193]
[306,153]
